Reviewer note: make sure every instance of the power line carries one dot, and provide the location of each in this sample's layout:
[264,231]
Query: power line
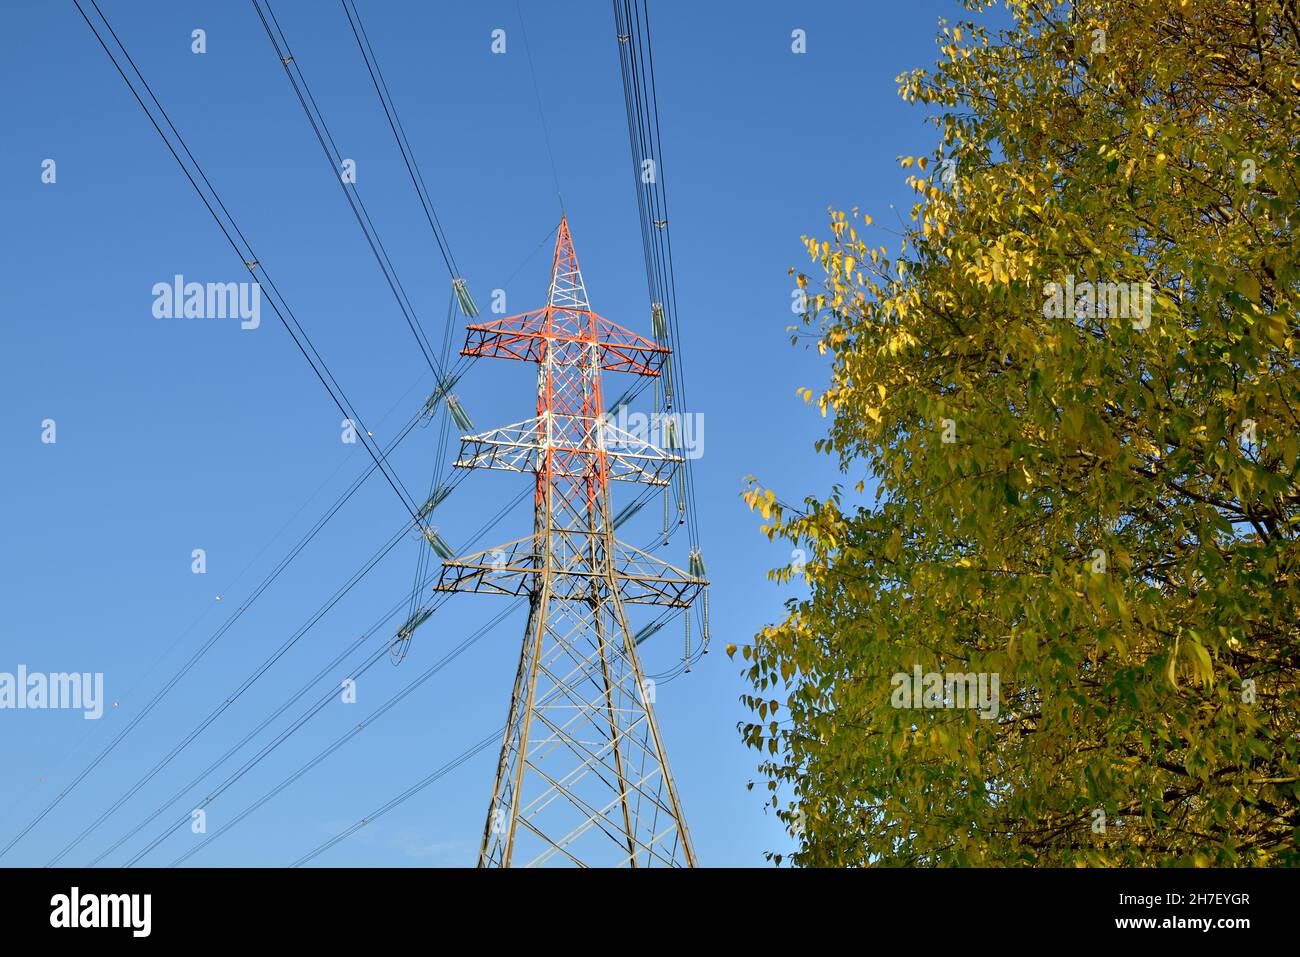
[247,603]
[246,253]
[230,699]
[248,681]
[203,649]
[251,262]
[334,158]
[483,530]
[320,706]
[332,748]
[636,60]
[415,788]
[330,696]
[399,133]
[541,112]
[350,649]
[473,751]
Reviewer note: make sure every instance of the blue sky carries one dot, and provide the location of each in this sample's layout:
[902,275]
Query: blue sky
[181,434]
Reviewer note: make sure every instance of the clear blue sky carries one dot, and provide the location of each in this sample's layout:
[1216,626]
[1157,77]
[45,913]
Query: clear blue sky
[183,434]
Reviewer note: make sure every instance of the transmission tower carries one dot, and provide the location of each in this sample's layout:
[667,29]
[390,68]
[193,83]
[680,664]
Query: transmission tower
[583,778]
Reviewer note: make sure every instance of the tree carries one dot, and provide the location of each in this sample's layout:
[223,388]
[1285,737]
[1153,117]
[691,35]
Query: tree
[1075,388]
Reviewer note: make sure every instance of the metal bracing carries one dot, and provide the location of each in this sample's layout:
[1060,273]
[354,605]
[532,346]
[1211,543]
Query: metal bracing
[522,337]
[520,447]
[582,777]
[516,568]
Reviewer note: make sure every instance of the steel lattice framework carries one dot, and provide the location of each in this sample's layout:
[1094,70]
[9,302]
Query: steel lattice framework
[583,778]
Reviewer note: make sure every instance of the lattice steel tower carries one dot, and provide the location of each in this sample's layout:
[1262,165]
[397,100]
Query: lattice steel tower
[583,778]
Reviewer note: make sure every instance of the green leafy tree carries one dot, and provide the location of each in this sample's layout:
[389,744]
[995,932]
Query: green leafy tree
[1075,389]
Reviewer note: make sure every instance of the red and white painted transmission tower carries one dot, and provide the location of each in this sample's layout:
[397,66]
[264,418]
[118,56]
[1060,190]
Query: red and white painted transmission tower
[583,777]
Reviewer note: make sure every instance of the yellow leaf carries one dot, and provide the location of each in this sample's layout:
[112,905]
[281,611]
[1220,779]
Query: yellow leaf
[894,545]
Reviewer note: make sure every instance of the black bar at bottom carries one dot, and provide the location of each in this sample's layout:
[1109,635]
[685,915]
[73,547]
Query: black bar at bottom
[949,908]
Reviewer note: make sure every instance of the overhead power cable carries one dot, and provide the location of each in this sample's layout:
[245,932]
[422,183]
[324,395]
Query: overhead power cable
[229,587]
[230,230]
[316,708]
[239,243]
[235,695]
[541,112]
[321,704]
[636,60]
[399,134]
[479,534]
[473,751]
[418,786]
[334,159]
[229,700]
[212,639]
[253,264]
[338,659]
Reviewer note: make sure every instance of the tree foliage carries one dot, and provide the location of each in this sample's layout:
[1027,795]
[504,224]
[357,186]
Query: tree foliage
[1098,507]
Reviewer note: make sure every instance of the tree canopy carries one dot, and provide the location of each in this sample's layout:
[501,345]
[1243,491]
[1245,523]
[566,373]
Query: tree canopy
[1074,390]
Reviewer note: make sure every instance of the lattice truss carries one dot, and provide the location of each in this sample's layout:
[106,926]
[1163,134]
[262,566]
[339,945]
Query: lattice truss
[520,448]
[582,777]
